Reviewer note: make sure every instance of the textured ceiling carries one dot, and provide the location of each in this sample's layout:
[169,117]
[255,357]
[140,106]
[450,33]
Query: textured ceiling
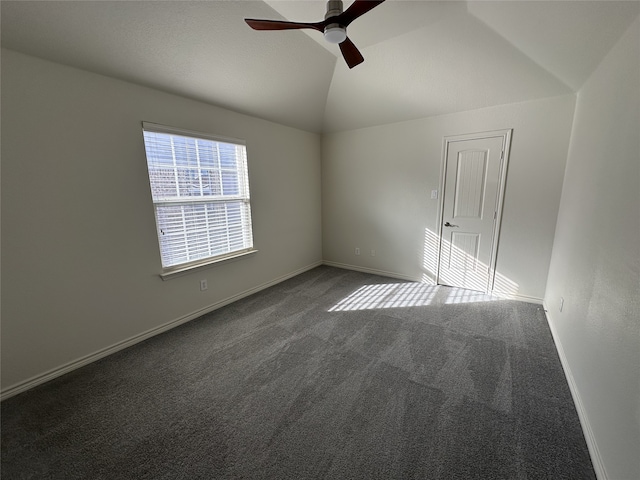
[422,58]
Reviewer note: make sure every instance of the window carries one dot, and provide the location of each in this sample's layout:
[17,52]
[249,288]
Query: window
[200,191]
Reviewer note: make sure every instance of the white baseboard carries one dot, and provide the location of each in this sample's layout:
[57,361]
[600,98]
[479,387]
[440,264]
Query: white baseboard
[521,298]
[373,271]
[87,359]
[592,445]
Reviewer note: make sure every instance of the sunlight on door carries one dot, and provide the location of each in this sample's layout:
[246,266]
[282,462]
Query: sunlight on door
[503,287]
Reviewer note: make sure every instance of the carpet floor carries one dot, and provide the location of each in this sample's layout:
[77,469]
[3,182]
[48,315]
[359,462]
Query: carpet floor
[333,374]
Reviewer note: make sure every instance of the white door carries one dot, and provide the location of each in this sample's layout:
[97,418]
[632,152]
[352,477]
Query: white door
[473,182]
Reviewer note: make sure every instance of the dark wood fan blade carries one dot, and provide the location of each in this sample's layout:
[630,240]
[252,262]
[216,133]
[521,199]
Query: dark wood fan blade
[282,25]
[357,8]
[350,53]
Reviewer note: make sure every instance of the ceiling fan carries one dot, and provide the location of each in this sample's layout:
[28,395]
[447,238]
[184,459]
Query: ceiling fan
[334,26]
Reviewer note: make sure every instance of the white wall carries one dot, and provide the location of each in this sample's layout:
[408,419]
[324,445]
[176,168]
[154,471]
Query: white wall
[80,257]
[595,265]
[376,185]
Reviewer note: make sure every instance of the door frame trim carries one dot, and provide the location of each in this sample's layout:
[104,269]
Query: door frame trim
[495,240]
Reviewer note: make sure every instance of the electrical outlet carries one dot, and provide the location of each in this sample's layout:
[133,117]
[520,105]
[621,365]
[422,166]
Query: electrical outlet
[434,194]
[357,251]
[561,303]
[203,285]
[373,252]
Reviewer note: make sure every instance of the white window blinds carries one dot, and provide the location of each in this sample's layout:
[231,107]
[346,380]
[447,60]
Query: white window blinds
[200,192]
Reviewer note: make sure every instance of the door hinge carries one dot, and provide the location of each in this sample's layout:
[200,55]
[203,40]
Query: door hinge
[495,215]
[502,155]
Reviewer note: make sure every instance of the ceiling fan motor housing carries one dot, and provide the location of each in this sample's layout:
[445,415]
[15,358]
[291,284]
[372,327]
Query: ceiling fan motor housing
[334,8]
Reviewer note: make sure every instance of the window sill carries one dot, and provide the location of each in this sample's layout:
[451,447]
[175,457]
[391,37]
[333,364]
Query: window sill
[182,270]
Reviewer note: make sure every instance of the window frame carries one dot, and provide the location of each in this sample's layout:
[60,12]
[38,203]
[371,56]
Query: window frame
[243,196]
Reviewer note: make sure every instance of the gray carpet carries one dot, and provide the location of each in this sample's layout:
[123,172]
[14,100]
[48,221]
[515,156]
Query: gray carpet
[332,374]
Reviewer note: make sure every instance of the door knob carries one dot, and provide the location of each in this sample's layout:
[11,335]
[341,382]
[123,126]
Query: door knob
[447,224]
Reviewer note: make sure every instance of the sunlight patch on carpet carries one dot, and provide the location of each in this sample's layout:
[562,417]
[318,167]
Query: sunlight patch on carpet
[393,295]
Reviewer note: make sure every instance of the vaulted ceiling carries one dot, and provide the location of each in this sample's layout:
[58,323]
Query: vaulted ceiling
[422,58]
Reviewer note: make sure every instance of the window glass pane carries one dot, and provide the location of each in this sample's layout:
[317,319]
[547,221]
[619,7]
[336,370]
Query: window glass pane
[208,153]
[211,184]
[230,183]
[182,167]
[158,148]
[228,155]
[188,182]
[163,182]
[193,232]
[185,151]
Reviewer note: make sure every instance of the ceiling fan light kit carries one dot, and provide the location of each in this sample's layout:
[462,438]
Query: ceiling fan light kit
[334,33]
[334,26]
